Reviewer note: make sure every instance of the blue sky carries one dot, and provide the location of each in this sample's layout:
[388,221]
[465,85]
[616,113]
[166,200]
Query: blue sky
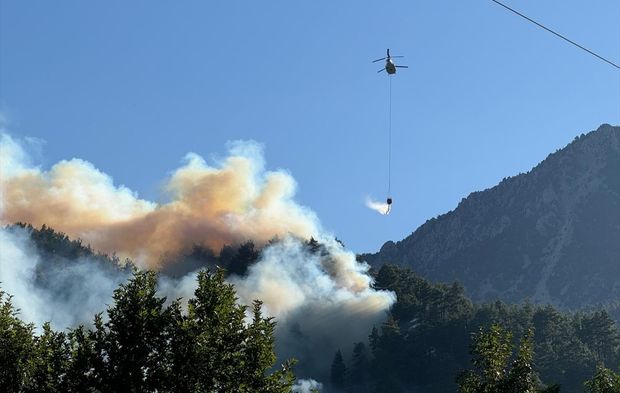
[134,86]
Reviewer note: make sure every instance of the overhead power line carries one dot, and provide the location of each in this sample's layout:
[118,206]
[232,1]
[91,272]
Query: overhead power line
[558,34]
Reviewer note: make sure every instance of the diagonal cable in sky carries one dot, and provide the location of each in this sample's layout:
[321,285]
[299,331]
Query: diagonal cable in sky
[558,34]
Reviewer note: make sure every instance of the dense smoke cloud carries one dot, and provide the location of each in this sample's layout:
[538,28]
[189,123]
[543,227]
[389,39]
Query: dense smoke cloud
[234,201]
[322,298]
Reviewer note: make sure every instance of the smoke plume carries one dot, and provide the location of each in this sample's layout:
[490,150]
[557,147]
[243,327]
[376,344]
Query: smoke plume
[234,201]
[322,299]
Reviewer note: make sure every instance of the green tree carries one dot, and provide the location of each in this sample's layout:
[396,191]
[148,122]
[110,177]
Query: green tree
[603,381]
[48,363]
[491,351]
[85,366]
[522,378]
[16,347]
[388,365]
[260,357]
[600,334]
[493,372]
[216,324]
[562,357]
[214,350]
[246,255]
[133,342]
[360,369]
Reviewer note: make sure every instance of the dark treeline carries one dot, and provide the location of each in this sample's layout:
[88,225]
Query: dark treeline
[434,332]
[56,248]
[233,259]
[145,345]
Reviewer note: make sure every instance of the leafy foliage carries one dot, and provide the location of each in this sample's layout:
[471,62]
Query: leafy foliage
[16,346]
[148,346]
[604,381]
[492,351]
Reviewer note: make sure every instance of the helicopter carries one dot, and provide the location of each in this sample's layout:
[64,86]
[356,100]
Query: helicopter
[390,67]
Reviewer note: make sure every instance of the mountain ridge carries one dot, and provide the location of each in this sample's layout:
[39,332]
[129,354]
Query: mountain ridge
[551,235]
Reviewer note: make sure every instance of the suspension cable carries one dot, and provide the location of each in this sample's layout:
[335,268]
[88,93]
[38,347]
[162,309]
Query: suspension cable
[557,34]
[390,138]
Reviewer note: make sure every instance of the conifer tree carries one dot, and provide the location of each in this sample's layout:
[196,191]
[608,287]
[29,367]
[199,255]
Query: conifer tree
[338,371]
[360,369]
[599,333]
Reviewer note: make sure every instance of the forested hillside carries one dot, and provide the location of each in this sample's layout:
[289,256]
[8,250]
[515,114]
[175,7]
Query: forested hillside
[434,336]
[425,344]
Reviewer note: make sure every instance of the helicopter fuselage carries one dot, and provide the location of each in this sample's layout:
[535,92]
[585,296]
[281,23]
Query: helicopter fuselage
[390,67]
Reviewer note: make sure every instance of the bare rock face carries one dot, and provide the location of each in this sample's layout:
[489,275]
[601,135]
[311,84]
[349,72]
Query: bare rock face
[551,235]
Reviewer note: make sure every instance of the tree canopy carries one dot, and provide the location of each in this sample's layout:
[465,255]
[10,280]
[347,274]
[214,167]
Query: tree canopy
[147,345]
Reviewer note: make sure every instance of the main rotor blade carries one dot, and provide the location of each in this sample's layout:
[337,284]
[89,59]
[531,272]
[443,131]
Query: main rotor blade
[396,56]
[383,58]
[383,69]
[401,66]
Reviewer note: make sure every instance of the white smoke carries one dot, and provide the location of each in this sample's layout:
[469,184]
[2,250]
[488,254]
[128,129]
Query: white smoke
[78,289]
[306,386]
[379,207]
[320,299]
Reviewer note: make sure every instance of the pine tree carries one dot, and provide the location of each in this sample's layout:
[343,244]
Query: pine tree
[599,333]
[246,256]
[259,357]
[338,371]
[388,363]
[360,369]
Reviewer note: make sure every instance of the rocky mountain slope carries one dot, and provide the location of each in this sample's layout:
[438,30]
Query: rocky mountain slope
[551,235]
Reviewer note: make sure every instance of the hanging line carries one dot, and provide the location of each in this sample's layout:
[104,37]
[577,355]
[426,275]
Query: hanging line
[557,34]
[390,138]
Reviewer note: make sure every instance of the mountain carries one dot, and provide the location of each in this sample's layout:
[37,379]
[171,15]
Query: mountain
[551,235]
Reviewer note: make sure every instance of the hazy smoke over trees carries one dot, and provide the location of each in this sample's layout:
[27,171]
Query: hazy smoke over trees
[314,294]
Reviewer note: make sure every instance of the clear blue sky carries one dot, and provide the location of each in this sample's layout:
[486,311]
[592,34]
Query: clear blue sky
[133,86]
